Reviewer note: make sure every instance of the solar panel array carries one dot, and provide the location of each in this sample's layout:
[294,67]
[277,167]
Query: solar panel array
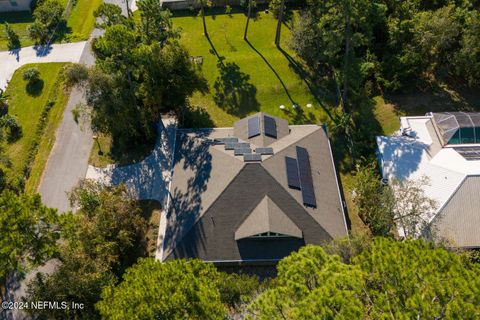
[252,157]
[265,151]
[270,127]
[469,153]
[293,179]
[225,140]
[240,151]
[305,173]
[299,176]
[253,127]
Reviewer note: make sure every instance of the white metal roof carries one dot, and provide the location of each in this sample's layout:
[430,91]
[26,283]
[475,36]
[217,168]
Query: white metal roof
[408,157]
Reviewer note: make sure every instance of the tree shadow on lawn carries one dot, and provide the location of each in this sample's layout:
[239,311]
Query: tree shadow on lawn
[233,91]
[35,88]
[319,90]
[273,70]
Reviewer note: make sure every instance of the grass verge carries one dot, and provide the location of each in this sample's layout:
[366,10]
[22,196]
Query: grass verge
[81,20]
[30,152]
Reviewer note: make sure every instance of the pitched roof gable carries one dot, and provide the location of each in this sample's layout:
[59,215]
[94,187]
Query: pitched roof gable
[267,217]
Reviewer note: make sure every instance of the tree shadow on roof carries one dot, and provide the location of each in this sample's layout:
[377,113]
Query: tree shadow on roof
[186,204]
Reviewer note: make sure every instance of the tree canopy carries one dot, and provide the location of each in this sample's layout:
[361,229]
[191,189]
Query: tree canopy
[141,71]
[177,289]
[99,242]
[28,232]
[402,280]
[396,44]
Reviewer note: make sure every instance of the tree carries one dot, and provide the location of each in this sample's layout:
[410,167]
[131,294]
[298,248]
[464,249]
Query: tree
[31,75]
[107,15]
[386,280]
[12,36]
[139,75]
[3,102]
[335,36]
[413,280]
[467,58]
[99,242]
[155,22]
[176,289]
[47,17]
[412,209]
[312,285]
[28,233]
[373,200]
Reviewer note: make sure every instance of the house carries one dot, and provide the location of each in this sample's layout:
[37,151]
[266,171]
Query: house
[250,194]
[14,5]
[445,148]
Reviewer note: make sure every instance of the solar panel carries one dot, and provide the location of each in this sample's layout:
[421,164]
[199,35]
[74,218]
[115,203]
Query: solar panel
[240,151]
[225,140]
[264,150]
[253,127]
[230,145]
[292,173]
[270,126]
[305,173]
[252,157]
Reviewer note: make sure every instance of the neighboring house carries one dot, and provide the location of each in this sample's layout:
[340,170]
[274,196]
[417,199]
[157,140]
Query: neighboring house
[250,194]
[14,5]
[444,147]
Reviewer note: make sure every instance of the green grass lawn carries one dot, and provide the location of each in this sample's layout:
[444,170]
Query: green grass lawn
[80,23]
[81,20]
[28,107]
[261,74]
[19,21]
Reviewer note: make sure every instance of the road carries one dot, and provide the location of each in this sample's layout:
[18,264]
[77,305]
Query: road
[12,60]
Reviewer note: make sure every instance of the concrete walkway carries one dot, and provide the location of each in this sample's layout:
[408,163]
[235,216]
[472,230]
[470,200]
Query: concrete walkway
[12,60]
[148,179]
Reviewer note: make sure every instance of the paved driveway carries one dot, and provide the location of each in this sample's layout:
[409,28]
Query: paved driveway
[149,178]
[11,61]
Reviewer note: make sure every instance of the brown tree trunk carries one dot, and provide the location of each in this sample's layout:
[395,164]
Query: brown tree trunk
[248,19]
[279,24]
[347,53]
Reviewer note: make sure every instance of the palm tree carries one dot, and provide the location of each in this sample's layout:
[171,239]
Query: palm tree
[279,23]
[251,3]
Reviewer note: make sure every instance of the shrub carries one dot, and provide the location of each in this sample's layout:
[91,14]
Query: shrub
[74,74]
[31,75]
[12,36]
[12,126]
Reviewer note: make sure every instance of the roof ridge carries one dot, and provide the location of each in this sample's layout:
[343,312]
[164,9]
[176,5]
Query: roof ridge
[169,252]
[293,142]
[295,200]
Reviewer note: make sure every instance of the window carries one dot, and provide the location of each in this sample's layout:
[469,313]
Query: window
[269,235]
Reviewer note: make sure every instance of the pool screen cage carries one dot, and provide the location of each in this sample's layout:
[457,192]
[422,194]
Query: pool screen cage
[458,127]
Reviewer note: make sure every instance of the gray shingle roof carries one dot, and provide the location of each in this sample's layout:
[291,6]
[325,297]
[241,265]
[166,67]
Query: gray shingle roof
[267,217]
[218,200]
